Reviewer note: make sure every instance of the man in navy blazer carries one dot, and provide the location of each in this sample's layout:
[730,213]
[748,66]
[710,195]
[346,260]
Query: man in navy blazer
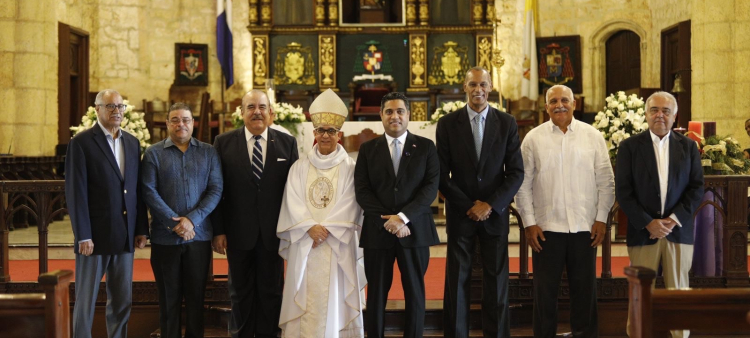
[659,184]
[109,218]
[481,169]
[396,180]
[255,162]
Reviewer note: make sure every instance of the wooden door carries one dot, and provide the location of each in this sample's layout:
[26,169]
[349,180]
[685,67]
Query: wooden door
[675,59]
[73,79]
[623,61]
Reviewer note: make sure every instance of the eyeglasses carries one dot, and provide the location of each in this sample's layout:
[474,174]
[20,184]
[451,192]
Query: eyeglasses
[111,107]
[175,121]
[331,132]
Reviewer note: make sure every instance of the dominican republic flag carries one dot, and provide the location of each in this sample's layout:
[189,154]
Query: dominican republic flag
[224,39]
[530,79]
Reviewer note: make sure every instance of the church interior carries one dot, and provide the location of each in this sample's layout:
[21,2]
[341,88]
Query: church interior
[56,55]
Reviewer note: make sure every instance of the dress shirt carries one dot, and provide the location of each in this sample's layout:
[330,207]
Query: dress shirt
[116,145]
[401,139]
[251,144]
[661,151]
[177,184]
[117,150]
[568,181]
[472,114]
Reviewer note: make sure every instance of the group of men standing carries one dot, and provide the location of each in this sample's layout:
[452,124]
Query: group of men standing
[228,197]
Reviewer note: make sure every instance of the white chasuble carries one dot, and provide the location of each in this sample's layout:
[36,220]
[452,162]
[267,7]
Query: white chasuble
[323,289]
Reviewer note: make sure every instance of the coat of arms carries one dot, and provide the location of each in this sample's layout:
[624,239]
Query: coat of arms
[294,65]
[449,63]
[374,63]
[555,66]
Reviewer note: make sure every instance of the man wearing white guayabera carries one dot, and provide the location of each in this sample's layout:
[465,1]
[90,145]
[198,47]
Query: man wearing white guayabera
[319,229]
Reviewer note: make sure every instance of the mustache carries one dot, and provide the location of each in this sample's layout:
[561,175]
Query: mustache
[560,110]
[256,117]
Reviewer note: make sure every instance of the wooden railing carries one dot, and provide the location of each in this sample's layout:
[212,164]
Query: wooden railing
[44,314]
[655,312]
[40,199]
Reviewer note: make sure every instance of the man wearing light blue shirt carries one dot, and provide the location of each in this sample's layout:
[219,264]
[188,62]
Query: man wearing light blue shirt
[182,184]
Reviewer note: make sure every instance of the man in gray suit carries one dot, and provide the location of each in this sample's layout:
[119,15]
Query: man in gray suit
[102,167]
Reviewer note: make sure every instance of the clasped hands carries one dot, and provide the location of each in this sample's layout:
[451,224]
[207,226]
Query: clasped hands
[480,211]
[534,234]
[660,227]
[319,234]
[184,228]
[396,226]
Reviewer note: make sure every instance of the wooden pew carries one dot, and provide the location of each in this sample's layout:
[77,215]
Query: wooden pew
[38,314]
[656,311]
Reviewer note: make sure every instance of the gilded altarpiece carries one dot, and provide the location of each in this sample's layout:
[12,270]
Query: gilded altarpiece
[295,61]
[484,51]
[260,61]
[327,55]
[418,62]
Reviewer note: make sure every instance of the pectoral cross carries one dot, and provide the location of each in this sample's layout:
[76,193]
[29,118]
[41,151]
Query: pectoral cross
[325,201]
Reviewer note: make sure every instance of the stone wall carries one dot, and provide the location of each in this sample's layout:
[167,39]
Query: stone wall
[721,73]
[131,50]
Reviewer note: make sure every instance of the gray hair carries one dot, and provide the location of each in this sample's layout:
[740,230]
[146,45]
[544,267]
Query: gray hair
[179,106]
[242,105]
[664,95]
[546,95]
[100,95]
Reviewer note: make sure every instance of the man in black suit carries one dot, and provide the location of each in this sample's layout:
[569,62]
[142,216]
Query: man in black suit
[107,214]
[480,171]
[659,184]
[255,161]
[396,179]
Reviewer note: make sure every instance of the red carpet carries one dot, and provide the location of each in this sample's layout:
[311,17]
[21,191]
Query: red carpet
[434,279]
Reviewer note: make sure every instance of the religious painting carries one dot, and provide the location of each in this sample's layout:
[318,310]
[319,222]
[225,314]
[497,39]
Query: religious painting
[560,62]
[372,12]
[191,64]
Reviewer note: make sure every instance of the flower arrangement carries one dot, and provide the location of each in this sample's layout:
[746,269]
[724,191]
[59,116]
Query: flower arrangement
[287,116]
[448,107]
[132,122]
[722,155]
[623,116]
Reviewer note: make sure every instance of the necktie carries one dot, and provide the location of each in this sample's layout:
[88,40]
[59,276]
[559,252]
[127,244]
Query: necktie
[257,159]
[396,155]
[478,131]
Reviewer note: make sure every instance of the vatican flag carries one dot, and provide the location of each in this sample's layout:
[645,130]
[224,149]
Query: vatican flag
[530,80]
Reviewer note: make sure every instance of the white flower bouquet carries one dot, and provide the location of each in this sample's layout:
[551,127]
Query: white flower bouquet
[722,155]
[623,116]
[287,116]
[448,107]
[132,122]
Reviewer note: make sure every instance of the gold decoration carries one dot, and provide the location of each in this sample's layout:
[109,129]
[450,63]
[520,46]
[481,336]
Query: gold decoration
[294,65]
[411,12]
[320,13]
[484,51]
[265,12]
[321,193]
[419,110]
[424,12]
[497,57]
[491,11]
[418,59]
[333,12]
[327,118]
[253,13]
[449,63]
[327,56]
[477,11]
[260,59]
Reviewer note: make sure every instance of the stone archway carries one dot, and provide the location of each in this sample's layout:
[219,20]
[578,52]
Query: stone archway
[597,53]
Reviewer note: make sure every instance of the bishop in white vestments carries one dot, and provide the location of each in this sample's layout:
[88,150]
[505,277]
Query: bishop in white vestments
[319,229]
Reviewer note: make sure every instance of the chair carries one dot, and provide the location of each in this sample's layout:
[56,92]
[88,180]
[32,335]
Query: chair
[351,143]
[205,122]
[156,118]
[44,314]
[365,99]
[526,114]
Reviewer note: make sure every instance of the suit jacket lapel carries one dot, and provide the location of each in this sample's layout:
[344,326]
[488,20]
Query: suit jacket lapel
[384,154]
[101,140]
[271,158]
[492,124]
[675,159]
[241,144]
[650,155]
[410,147]
[464,132]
